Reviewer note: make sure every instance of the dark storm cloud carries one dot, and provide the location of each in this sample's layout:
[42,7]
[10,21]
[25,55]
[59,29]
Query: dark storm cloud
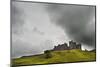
[77,21]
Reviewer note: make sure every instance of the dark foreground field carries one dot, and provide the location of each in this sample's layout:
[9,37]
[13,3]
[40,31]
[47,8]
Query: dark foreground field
[63,56]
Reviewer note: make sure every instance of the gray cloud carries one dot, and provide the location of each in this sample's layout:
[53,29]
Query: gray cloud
[35,29]
[21,48]
[17,18]
[30,33]
[77,21]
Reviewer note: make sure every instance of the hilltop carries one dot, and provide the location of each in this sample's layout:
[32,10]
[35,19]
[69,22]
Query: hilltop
[62,56]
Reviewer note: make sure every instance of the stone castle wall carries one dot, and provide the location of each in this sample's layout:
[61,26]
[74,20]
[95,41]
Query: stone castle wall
[72,45]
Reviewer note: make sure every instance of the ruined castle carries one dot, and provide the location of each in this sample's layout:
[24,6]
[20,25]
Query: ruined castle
[72,45]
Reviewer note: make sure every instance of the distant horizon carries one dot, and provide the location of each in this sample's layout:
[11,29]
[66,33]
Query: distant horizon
[53,48]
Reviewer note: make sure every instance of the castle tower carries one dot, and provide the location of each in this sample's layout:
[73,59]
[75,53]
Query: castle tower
[78,46]
[72,45]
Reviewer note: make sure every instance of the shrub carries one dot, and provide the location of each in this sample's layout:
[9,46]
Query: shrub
[47,54]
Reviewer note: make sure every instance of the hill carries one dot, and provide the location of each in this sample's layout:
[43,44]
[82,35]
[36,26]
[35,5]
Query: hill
[62,56]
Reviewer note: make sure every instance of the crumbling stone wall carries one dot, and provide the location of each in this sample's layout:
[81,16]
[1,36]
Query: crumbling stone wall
[72,45]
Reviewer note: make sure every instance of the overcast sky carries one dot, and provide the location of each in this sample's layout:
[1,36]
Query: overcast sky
[39,26]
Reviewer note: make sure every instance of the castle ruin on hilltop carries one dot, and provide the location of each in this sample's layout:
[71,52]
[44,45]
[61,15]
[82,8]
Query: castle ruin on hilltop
[72,45]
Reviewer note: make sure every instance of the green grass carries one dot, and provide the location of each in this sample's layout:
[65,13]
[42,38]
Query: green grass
[63,56]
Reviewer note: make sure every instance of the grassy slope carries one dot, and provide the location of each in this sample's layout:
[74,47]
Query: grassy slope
[74,55]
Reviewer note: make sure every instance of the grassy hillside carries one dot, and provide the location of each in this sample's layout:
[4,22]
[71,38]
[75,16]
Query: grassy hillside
[63,56]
